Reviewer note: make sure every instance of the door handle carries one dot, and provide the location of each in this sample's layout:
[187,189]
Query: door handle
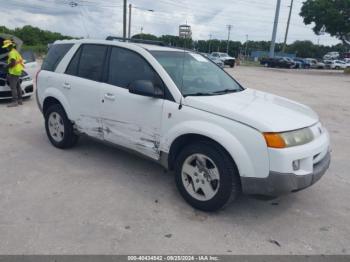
[66,86]
[110,96]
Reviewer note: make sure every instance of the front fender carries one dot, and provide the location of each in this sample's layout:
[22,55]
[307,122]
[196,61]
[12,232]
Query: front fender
[216,133]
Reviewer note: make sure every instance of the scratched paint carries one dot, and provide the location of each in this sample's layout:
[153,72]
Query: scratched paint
[143,139]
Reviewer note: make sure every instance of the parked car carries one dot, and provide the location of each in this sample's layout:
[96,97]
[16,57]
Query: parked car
[225,58]
[281,62]
[297,64]
[30,64]
[5,90]
[26,80]
[338,64]
[303,63]
[315,64]
[328,63]
[179,109]
[215,60]
[331,56]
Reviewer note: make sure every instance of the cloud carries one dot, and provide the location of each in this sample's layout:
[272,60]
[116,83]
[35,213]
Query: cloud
[97,19]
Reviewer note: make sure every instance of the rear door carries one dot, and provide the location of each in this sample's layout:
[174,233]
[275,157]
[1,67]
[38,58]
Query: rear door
[50,77]
[131,120]
[82,83]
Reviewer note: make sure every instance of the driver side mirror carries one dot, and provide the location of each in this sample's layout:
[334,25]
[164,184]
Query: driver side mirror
[145,88]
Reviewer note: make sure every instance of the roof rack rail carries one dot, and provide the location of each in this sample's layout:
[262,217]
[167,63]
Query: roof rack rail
[133,40]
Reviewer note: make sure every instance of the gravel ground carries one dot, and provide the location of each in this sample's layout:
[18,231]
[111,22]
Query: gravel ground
[96,199]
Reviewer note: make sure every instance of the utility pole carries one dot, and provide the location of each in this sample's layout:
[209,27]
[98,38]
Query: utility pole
[130,11]
[274,32]
[124,19]
[129,29]
[210,43]
[287,29]
[246,46]
[229,27]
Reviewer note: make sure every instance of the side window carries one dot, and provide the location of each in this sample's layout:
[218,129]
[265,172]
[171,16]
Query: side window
[126,66]
[54,56]
[88,62]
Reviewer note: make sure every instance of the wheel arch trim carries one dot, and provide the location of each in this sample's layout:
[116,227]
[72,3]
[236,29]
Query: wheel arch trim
[56,94]
[213,132]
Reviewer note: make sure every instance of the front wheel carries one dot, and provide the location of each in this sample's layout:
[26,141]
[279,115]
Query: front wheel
[59,128]
[206,176]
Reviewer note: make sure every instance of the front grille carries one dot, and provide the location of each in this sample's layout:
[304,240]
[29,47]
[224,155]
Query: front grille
[29,89]
[5,94]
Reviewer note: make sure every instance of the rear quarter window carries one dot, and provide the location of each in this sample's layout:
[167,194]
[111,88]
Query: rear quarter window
[54,56]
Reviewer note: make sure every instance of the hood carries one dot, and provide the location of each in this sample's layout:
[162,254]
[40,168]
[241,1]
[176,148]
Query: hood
[3,52]
[263,111]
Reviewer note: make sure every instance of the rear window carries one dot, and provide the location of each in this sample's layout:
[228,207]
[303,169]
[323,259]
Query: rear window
[55,55]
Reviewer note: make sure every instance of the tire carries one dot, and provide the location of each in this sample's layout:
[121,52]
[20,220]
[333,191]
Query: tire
[226,188]
[65,136]
[232,65]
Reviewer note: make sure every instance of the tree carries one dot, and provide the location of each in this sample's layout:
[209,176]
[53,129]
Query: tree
[332,17]
[33,36]
[145,36]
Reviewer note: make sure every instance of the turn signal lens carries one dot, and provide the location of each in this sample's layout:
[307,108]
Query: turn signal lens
[274,140]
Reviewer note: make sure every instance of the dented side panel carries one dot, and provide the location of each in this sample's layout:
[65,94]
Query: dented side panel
[132,121]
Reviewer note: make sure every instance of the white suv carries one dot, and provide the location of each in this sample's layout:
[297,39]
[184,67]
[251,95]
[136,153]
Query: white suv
[180,109]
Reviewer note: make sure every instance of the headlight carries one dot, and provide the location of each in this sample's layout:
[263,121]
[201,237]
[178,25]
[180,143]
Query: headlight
[289,139]
[26,78]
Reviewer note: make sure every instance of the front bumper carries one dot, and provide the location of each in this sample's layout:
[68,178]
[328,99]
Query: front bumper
[229,62]
[279,183]
[26,86]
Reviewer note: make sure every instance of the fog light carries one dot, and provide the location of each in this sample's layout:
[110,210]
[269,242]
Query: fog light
[296,165]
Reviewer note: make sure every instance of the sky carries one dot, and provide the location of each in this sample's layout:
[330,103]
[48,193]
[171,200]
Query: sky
[251,19]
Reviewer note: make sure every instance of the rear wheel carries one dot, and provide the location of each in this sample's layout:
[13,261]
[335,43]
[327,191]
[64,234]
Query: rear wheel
[59,128]
[206,176]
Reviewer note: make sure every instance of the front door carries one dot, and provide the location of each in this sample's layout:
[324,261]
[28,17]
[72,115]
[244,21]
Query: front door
[131,120]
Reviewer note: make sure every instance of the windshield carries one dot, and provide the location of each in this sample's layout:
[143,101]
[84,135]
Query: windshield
[194,74]
[28,56]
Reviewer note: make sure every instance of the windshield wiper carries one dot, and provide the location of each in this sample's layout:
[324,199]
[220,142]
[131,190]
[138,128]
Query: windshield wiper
[200,94]
[226,91]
